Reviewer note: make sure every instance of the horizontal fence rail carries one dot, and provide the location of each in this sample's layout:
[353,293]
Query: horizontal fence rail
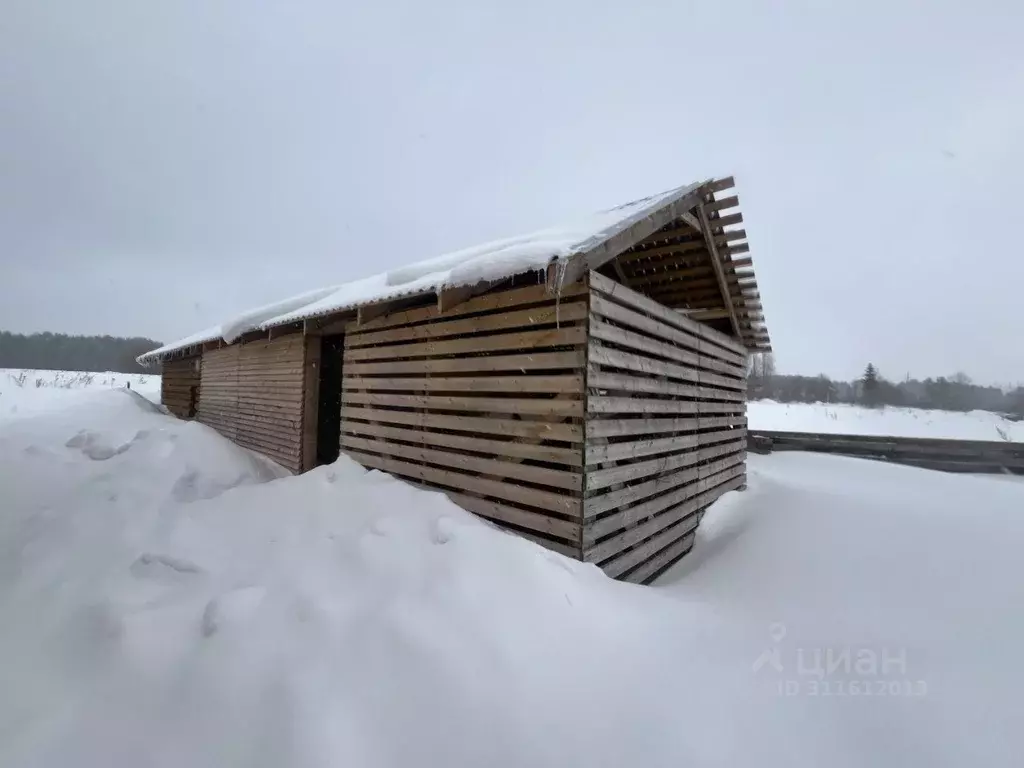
[981,456]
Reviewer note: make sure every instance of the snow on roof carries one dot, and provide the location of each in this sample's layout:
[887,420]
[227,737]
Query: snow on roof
[490,261]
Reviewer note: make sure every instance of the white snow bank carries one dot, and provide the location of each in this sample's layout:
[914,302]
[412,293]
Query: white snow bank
[843,418]
[489,261]
[163,607]
[828,557]
[25,391]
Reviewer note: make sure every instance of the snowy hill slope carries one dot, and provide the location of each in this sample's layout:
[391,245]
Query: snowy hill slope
[170,599]
[24,391]
[846,419]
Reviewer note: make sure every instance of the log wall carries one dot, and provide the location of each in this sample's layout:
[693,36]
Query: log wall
[665,430]
[484,401]
[179,386]
[254,394]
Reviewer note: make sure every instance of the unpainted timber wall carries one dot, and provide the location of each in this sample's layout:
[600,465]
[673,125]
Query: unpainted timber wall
[484,402]
[665,430]
[179,386]
[254,394]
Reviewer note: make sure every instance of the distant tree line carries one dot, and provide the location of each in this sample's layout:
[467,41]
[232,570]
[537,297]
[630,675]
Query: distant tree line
[58,351]
[949,393]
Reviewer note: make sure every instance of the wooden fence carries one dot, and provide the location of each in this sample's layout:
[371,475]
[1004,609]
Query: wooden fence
[982,456]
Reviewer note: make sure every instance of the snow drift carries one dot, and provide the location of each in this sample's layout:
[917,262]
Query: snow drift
[169,599]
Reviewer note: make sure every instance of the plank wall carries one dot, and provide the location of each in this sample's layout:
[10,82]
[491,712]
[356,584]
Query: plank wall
[254,394]
[665,430]
[178,378]
[484,401]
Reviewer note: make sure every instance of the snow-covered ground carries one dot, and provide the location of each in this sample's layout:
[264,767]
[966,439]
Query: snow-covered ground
[842,418]
[26,391]
[169,599]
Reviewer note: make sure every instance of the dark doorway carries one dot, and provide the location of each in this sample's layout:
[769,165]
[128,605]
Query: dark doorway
[328,428]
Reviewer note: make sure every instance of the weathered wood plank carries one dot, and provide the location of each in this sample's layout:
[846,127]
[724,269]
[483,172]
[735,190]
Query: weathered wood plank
[597,529]
[682,518]
[603,404]
[598,379]
[662,560]
[494,384]
[553,337]
[515,448]
[498,300]
[550,314]
[671,338]
[534,406]
[635,341]
[668,543]
[505,513]
[547,500]
[537,430]
[558,478]
[521,363]
[596,479]
[630,297]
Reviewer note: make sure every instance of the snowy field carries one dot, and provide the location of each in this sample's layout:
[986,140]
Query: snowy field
[24,391]
[842,418]
[169,599]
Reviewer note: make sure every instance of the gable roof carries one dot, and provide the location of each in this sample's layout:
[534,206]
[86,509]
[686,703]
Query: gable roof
[577,247]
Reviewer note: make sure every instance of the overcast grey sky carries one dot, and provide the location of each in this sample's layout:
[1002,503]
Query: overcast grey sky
[165,164]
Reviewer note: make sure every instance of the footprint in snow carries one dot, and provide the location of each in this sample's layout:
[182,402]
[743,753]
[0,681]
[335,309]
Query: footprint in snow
[93,446]
[163,567]
[231,608]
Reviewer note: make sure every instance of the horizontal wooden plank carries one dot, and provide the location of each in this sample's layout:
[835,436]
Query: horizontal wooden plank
[254,397]
[598,379]
[646,426]
[632,494]
[517,448]
[567,505]
[726,202]
[682,518]
[640,302]
[538,430]
[270,443]
[289,430]
[251,409]
[283,434]
[720,360]
[637,342]
[551,361]
[553,337]
[569,530]
[653,565]
[516,405]
[630,361]
[667,547]
[599,454]
[612,405]
[503,384]
[498,300]
[706,478]
[549,314]
[462,462]
[596,479]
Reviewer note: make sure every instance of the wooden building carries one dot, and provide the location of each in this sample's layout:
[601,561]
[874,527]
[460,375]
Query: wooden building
[593,401]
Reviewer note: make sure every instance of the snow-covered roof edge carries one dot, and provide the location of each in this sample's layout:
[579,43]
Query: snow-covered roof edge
[483,263]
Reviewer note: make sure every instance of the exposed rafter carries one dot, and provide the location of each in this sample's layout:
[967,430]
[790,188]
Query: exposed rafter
[716,264]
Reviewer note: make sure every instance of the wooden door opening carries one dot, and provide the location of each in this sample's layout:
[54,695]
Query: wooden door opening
[328,428]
